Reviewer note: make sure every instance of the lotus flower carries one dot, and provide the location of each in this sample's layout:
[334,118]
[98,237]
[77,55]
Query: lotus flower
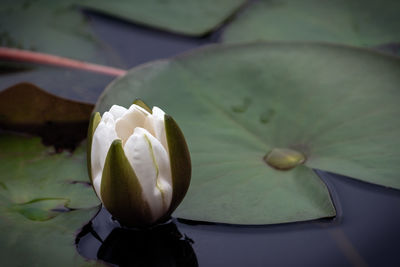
[138,163]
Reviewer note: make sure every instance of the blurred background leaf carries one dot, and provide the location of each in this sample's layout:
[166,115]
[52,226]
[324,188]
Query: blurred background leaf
[54,27]
[365,23]
[61,28]
[189,17]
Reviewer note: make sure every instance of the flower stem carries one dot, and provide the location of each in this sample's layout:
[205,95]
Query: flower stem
[41,58]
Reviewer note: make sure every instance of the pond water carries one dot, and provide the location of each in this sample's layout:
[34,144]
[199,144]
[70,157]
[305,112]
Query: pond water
[364,233]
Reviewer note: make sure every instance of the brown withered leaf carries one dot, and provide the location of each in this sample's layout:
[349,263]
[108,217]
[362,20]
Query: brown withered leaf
[27,108]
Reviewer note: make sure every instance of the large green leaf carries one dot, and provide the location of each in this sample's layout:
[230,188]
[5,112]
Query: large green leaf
[54,27]
[355,22]
[193,17]
[235,103]
[37,190]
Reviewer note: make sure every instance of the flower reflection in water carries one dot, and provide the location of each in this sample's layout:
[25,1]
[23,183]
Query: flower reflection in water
[162,245]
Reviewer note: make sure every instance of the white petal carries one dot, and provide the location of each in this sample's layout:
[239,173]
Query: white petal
[103,136]
[97,186]
[133,117]
[117,111]
[150,162]
[155,124]
[136,107]
[108,118]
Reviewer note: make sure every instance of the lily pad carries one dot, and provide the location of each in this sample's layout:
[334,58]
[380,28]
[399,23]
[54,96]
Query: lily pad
[54,27]
[337,106]
[194,17]
[38,189]
[42,243]
[31,172]
[355,22]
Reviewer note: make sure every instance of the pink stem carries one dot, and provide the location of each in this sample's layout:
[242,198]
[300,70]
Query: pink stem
[41,58]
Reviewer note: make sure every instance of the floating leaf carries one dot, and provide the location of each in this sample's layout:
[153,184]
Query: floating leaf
[39,209]
[41,243]
[337,106]
[54,27]
[355,22]
[37,188]
[31,171]
[195,17]
[26,107]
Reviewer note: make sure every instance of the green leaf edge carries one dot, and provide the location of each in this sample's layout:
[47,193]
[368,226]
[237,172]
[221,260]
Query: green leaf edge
[199,32]
[162,63]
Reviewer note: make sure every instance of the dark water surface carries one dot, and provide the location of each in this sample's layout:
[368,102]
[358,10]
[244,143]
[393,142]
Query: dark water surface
[364,233]
[135,44]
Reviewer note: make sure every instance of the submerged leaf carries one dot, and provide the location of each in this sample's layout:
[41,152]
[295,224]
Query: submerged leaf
[336,105]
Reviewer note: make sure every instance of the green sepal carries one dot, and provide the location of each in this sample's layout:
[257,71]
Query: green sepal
[93,123]
[141,104]
[121,192]
[179,155]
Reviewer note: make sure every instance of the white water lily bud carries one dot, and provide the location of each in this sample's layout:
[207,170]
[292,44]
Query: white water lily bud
[138,163]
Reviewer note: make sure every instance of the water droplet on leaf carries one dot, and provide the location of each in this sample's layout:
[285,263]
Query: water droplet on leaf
[39,209]
[266,116]
[284,158]
[242,107]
